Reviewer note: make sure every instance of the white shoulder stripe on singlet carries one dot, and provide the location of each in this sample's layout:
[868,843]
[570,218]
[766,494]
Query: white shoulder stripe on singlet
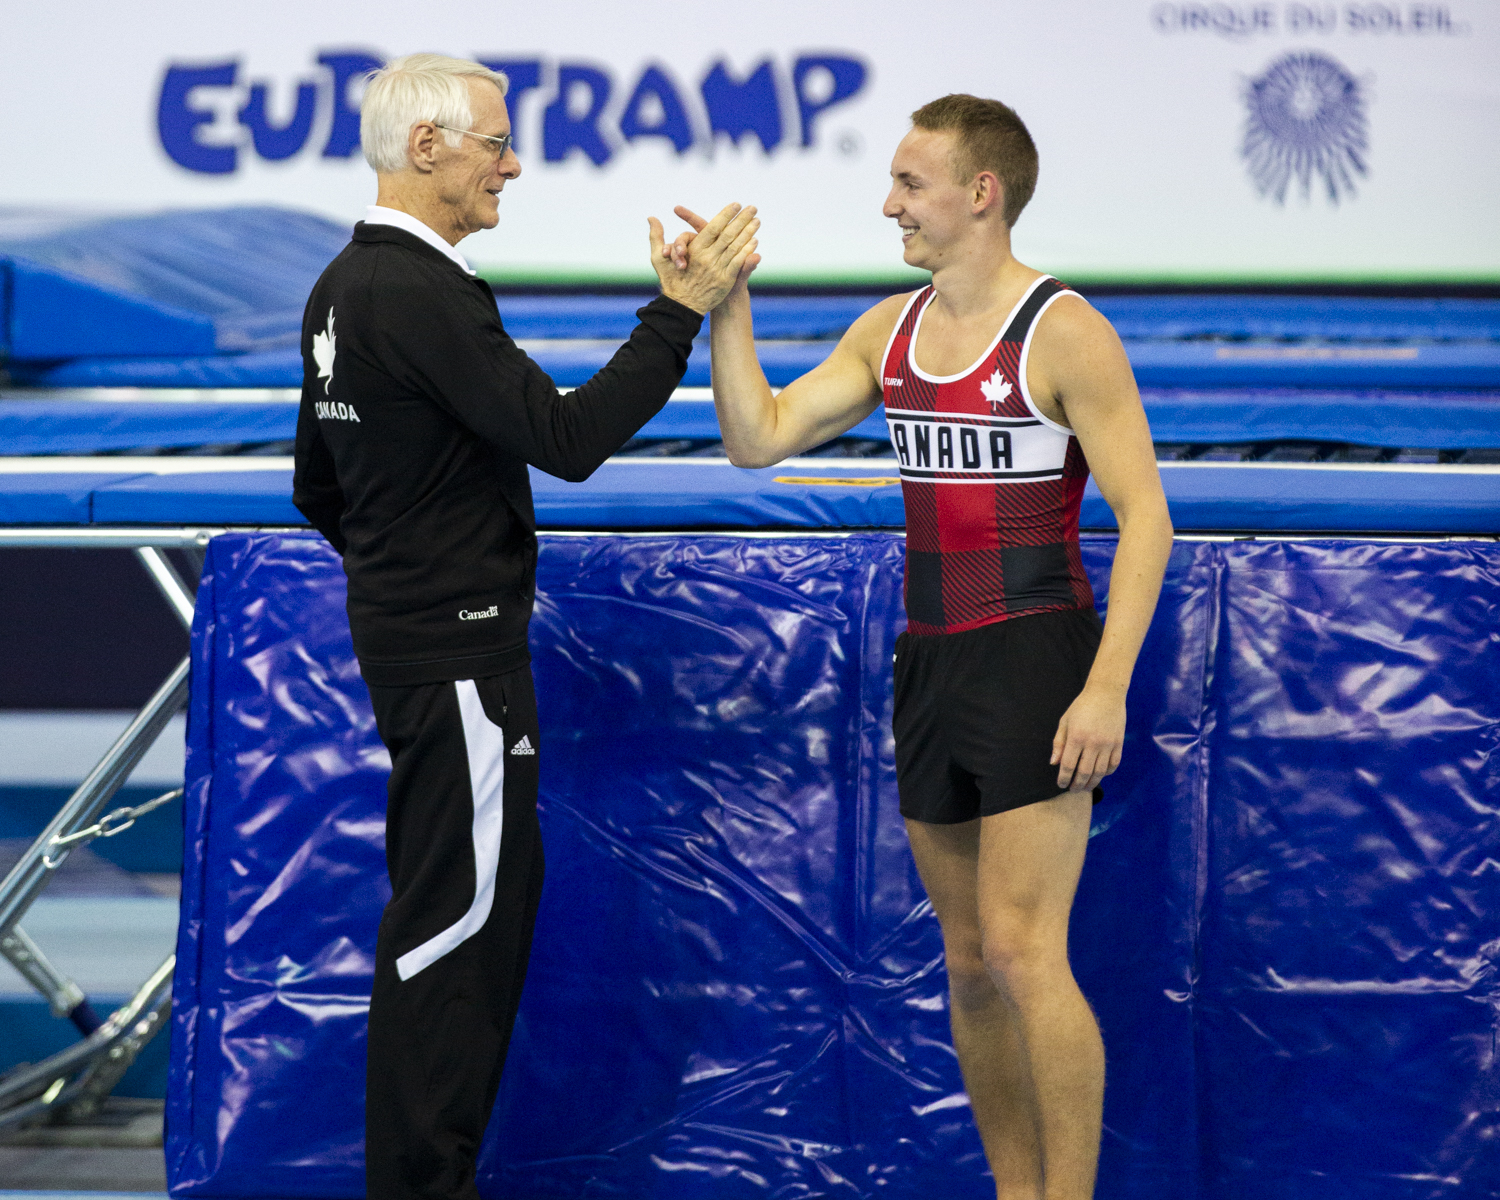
[885,356]
[484,742]
[911,346]
[1026,357]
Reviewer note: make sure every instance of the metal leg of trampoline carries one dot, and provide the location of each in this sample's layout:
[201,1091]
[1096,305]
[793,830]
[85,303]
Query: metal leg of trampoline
[65,996]
[79,1078]
[30,874]
[169,582]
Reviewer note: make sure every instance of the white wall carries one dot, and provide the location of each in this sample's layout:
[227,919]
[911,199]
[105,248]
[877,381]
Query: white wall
[1139,109]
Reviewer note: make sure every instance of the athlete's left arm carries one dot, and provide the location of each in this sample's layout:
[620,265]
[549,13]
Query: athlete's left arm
[1080,365]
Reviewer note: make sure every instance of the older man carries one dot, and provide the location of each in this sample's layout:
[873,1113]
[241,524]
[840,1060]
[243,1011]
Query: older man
[419,418]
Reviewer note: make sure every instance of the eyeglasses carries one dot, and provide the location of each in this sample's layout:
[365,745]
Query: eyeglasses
[501,144]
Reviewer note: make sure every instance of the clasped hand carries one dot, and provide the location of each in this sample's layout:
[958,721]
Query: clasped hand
[702,268]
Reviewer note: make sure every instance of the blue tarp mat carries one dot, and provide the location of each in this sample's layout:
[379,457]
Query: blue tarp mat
[1439,420]
[809,493]
[1156,364]
[1286,923]
[226,280]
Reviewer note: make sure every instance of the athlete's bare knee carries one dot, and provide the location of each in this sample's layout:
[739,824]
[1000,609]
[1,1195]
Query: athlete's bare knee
[1021,960]
[969,984]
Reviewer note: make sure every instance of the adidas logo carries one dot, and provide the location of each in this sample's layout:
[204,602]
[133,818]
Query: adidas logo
[524,746]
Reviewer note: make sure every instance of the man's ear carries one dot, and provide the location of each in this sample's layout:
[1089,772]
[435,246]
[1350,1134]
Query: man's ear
[988,192]
[421,146]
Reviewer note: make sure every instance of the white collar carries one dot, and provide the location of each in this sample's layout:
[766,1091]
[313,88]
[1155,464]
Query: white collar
[375,214]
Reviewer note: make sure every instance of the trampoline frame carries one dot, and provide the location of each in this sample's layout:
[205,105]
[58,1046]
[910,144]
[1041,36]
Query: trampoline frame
[75,1081]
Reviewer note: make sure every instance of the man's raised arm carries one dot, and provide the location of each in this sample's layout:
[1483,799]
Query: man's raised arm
[761,427]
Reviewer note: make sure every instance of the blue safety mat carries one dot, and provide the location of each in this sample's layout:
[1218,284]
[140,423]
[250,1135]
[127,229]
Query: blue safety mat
[175,283]
[1439,420]
[800,318]
[706,493]
[1156,364]
[1321,318]
[53,497]
[207,498]
[261,369]
[206,298]
[1331,318]
[1284,923]
[1244,498]
[63,426]
[1207,364]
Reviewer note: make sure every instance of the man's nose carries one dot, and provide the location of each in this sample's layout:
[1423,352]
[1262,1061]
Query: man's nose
[510,165]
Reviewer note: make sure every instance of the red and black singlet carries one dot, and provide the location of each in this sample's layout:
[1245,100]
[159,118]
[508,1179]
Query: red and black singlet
[992,487]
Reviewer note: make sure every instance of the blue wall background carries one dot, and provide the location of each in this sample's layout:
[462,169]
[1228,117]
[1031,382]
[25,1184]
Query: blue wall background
[1289,922]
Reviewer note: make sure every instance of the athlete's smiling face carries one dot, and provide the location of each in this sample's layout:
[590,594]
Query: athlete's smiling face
[933,209]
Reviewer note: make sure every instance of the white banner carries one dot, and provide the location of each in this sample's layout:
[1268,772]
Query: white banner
[1178,140]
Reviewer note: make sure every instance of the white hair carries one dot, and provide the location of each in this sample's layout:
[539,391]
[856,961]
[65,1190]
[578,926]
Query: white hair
[418,87]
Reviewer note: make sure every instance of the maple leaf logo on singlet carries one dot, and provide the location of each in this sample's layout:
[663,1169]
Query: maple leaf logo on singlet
[323,350]
[995,390]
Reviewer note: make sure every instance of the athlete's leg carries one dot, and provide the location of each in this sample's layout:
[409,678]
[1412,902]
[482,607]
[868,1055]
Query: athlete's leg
[986,1027]
[1027,1042]
[1029,862]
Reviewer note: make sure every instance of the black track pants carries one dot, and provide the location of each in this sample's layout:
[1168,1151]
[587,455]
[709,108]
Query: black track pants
[465,858]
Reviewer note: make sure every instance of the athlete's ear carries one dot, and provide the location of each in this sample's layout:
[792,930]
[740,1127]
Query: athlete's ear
[988,192]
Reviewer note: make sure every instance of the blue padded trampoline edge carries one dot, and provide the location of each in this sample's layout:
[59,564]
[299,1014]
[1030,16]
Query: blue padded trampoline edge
[181,1142]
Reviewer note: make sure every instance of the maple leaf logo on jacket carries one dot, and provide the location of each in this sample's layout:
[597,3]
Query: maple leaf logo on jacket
[323,349]
[994,388]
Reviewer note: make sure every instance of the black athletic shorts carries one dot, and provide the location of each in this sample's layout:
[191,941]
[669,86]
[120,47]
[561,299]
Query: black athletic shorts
[976,713]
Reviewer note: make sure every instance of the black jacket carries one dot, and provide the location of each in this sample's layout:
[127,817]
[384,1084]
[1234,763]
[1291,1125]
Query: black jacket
[419,416]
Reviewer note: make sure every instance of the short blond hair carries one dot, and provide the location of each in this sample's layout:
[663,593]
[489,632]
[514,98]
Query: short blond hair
[418,87]
[991,137]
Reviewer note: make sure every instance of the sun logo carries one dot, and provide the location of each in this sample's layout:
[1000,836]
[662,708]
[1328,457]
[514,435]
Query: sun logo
[995,390]
[323,349]
[1307,123]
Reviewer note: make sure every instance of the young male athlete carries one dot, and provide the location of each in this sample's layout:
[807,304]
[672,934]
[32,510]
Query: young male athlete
[1002,389]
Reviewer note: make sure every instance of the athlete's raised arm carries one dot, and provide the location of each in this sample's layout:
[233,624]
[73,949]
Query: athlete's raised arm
[1080,365]
[761,428]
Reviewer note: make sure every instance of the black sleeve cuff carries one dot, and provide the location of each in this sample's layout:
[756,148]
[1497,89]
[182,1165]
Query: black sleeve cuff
[676,323]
